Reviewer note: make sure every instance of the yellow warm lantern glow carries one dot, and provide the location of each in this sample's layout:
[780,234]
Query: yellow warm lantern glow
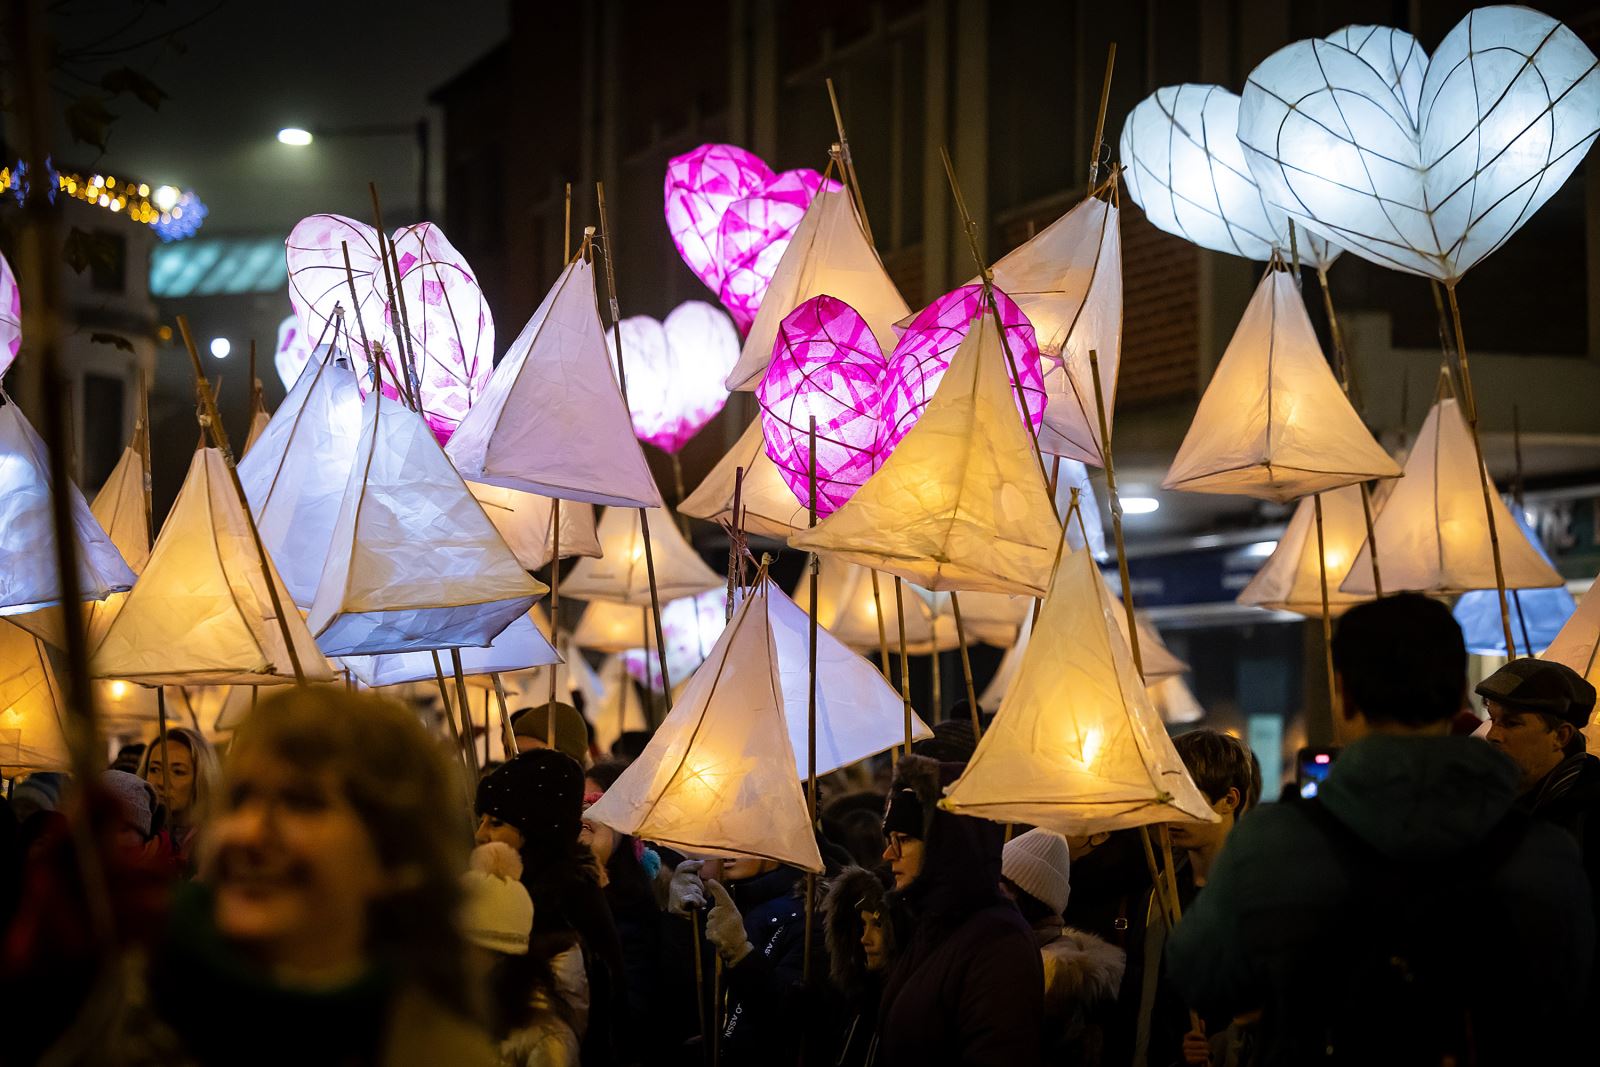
[1291,581]
[620,573]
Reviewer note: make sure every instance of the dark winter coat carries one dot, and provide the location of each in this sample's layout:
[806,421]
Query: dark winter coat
[968,986]
[1081,975]
[1282,901]
[1569,797]
[853,891]
[766,1014]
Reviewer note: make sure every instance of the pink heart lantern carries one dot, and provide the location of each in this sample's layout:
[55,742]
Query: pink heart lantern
[692,625]
[700,186]
[294,350]
[676,370]
[826,363]
[924,351]
[317,282]
[753,235]
[10,316]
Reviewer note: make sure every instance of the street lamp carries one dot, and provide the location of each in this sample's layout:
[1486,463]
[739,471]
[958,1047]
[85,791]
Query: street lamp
[296,137]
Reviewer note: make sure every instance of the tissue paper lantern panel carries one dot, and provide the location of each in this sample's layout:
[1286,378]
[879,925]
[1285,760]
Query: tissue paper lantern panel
[826,363]
[923,354]
[1578,643]
[1424,175]
[451,332]
[621,573]
[31,707]
[294,350]
[700,187]
[767,504]
[10,317]
[847,609]
[1537,615]
[754,233]
[675,371]
[692,625]
[318,285]
[525,520]
[519,646]
[1183,165]
[1291,578]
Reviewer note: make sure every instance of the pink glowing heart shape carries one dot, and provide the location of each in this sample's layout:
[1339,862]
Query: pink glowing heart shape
[825,363]
[676,370]
[10,316]
[924,351]
[700,187]
[754,234]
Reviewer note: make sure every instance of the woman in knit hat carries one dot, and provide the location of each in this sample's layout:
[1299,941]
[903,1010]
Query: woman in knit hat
[526,1014]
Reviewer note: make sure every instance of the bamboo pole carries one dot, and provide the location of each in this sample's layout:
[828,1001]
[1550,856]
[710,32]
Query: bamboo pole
[883,633]
[905,658]
[734,526]
[450,718]
[622,381]
[811,709]
[219,437]
[566,228]
[407,383]
[555,603]
[1347,382]
[1100,119]
[1116,510]
[141,445]
[508,738]
[1327,616]
[848,164]
[466,714]
[966,667]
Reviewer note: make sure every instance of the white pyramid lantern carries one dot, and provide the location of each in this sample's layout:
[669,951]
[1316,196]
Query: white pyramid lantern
[260,418]
[1274,423]
[961,502]
[1433,535]
[614,705]
[1291,579]
[848,611]
[414,562]
[1578,643]
[1174,701]
[828,254]
[31,736]
[611,626]
[718,777]
[769,506]
[296,474]
[28,574]
[621,573]
[525,521]
[201,612]
[520,646]
[551,420]
[1076,746]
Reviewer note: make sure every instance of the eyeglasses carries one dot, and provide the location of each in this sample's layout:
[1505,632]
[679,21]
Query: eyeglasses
[896,843]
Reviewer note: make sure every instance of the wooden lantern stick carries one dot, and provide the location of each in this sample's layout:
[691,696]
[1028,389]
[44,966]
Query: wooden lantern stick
[141,445]
[555,603]
[450,719]
[473,767]
[610,248]
[508,738]
[1100,118]
[1116,510]
[905,658]
[883,633]
[566,227]
[848,165]
[219,436]
[811,706]
[966,667]
[1327,616]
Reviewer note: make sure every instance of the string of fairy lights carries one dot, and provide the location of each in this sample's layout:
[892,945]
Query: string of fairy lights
[171,212]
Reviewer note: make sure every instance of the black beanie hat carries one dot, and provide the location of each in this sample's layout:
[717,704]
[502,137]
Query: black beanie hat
[904,813]
[540,793]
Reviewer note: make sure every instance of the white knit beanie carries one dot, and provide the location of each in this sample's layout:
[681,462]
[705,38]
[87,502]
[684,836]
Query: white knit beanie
[1040,864]
[496,911]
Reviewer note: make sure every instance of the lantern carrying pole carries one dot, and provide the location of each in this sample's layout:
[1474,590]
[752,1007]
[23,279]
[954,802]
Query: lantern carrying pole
[466,714]
[141,445]
[555,602]
[905,658]
[1100,117]
[622,381]
[410,385]
[966,667]
[848,164]
[450,715]
[883,635]
[1327,616]
[1116,510]
[508,738]
[219,437]
[811,711]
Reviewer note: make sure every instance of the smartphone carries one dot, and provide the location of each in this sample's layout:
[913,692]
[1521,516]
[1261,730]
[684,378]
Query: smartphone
[1311,767]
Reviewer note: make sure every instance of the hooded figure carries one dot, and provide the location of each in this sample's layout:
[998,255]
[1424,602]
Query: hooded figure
[861,943]
[968,985]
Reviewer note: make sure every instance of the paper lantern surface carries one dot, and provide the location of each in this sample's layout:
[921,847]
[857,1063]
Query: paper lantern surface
[28,576]
[1578,643]
[518,647]
[826,365]
[753,235]
[293,352]
[1432,534]
[847,609]
[961,503]
[692,625]
[1174,702]
[295,477]
[201,612]
[765,499]
[700,187]
[1184,166]
[612,704]
[1273,423]
[413,564]
[1076,746]
[1291,579]
[718,777]
[612,626]
[1427,175]
[1537,615]
[526,520]
[31,710]
[10,317]
[551,420]
[675,371]
[922,356]
[829,255]
[621,572]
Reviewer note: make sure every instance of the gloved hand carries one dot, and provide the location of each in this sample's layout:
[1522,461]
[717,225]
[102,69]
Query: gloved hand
[725,926]
[686,893]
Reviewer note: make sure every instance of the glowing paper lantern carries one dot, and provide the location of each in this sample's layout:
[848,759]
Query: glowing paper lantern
[675,371]
[296,475]
[847,610]
[827,364]
[753,235]
[614,706]
[1274,423]
[612,626]
[10,317]
[1183,164]
[1076,745]
[1291,578]
[31,706]
[518,647]
[1427,175]
[1432,534]
[414,564]
[28,576]
[692,625]
[201,612]
[1578,643]
[1175,702]
[551,420]
[621,573]
[701,185]
[525,520]
[830,255]
[1537,615]
[259,417]
[988,618]
[765,499]
[294,350]
[718,777]
[923,354]
[961,503]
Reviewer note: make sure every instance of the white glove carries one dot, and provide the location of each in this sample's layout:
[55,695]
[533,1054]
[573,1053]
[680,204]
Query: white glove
[686,893]
[725,926]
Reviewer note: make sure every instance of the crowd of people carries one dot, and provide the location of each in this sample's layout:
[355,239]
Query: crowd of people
[334,891]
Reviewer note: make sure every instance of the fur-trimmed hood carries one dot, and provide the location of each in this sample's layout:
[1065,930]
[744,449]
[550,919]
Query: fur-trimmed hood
[961,861]
[1079,968]
[854,890]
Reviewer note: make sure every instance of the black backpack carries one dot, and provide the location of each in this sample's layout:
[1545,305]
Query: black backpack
[1399,982]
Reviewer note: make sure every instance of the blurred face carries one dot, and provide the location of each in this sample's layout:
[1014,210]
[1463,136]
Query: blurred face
[295,869]
[872,941]
[174,784]
[1527,739]
[1199,835]
[904,854]
[740,869]
[600,839]
[492,829]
